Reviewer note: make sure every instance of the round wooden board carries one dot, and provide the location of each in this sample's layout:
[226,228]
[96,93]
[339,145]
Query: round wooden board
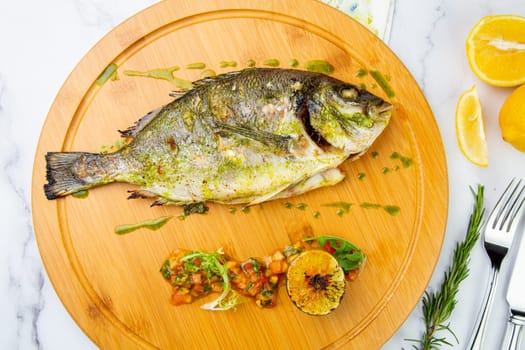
[111,284]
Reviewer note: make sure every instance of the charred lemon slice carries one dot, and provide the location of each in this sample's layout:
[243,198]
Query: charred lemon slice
[315,282]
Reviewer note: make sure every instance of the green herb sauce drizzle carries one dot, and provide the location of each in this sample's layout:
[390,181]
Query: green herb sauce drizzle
[342,207]
[208,73]
[110,73]
[319,66]
[272,62]
[301,206]
[393,210]
[153,224]
[196,65]
[163,74]
[117,145]
[226,64]
[383,83]
[361,73]
[80,194]
[405,161]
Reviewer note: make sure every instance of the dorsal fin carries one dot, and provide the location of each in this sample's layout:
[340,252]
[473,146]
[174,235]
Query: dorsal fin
[216,78]
[178,93]
[132,131]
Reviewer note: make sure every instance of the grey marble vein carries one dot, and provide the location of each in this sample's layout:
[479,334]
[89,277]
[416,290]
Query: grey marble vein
[95,13]
[437,16]
[24,268]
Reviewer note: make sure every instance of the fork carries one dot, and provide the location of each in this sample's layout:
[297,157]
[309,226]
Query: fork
[498,235]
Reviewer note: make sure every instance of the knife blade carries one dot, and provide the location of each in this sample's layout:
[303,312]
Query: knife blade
[516,299]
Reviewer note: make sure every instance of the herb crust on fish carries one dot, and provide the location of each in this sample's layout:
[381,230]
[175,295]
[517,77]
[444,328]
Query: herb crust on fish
[243,137]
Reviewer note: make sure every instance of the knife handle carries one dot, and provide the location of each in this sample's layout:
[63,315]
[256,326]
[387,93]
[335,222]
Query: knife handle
[513,333]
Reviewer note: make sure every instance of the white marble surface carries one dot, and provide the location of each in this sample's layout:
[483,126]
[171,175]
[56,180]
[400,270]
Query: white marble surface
[41,42]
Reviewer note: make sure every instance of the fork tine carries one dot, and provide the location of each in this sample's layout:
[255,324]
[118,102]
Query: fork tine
[500,206]
[509,209]
[519,205]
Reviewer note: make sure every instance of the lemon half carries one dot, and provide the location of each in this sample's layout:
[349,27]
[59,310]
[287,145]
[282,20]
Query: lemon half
[512,119]
[496,50]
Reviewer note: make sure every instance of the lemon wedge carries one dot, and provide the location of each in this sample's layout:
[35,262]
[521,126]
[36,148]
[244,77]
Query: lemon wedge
[470,129]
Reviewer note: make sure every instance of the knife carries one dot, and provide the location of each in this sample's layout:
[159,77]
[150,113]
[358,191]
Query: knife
[516,300]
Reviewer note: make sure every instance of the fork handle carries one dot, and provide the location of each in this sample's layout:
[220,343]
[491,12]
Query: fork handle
[476,339]
[513,333]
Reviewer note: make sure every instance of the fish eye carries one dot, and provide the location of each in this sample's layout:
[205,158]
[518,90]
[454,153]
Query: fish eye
[349,93]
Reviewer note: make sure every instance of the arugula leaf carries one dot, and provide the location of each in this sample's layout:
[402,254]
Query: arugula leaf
[347,255]
[214,264]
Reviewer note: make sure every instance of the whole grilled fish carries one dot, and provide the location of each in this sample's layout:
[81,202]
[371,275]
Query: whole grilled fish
[240,137]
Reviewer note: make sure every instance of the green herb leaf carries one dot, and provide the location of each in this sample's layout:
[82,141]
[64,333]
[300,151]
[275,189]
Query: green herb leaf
[214,264]
[348,256]
[195,208]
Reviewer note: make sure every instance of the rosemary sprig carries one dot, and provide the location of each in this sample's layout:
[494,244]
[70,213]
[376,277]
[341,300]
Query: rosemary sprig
[438,306]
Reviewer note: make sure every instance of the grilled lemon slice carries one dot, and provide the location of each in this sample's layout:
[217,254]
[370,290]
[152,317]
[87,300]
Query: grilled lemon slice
[315,282]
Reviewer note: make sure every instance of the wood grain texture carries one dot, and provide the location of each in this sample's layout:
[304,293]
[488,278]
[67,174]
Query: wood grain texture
[110,284]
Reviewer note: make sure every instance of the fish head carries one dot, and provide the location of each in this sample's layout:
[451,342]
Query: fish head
[346,117]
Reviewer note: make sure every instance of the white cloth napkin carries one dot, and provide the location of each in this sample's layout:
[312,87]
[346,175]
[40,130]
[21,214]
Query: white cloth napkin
[376,15]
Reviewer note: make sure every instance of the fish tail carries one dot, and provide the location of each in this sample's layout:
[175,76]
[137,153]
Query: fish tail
[62,173]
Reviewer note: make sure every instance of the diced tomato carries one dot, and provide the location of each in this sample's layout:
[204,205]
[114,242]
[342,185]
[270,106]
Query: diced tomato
[278,266]
[328,247]
[254,288]
[196,278]
[352,275]
[197,290]
[178,298]
[247,267]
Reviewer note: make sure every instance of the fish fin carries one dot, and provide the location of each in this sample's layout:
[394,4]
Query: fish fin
[140,124]
[267,197]
[133,194]
[267,138]
[144,194]
[61,179]
[162,201]
[324,178]
[178,93]
[140,194]
[214,79]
